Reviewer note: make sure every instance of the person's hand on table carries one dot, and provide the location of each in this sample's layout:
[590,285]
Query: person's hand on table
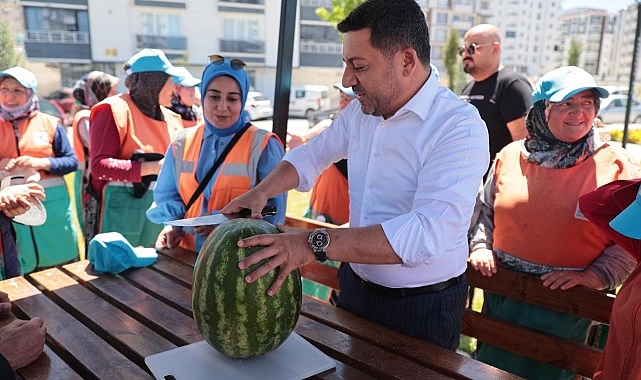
[21,342]
[484,261]
[284,252]
[566,279]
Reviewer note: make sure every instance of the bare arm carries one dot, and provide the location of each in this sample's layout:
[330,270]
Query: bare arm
[289,250]
[283,178]
[517,128]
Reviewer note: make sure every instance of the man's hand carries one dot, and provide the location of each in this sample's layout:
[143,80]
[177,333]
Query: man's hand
[21,342]
[484,261]
[253,200]
[284,253]
[566,279]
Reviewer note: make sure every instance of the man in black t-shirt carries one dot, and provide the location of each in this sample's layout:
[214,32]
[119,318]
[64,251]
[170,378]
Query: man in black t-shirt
[502,96]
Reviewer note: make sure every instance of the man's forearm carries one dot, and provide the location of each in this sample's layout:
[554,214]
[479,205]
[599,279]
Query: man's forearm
[283,178]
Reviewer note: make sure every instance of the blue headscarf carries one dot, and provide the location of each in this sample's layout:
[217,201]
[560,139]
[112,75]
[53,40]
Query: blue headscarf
[217,69]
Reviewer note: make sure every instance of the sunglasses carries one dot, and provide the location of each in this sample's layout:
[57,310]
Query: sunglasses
[235,63]
[470,50]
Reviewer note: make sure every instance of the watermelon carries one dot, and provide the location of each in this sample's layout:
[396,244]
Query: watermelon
[236,318]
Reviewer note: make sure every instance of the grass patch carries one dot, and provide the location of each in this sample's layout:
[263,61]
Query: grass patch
[297,202]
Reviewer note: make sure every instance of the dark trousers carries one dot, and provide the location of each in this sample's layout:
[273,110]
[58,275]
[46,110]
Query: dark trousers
[433,317]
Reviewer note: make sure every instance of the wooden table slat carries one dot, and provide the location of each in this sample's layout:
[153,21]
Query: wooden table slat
[82,349]
[365,357]
[124,332]
[166,320]
[416,349]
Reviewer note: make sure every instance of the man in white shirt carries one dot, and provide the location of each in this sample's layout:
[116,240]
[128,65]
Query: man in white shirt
[417,155]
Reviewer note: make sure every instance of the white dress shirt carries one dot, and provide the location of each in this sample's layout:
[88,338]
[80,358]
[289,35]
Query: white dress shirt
[416,173]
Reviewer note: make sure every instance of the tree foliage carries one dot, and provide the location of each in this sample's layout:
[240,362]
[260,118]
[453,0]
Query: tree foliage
[340,10]
[452,63]
[574,53]
[8,56]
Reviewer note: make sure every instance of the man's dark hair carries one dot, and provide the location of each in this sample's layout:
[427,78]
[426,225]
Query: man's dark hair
[394,24]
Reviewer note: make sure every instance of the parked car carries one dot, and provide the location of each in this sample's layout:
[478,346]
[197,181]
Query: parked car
[258,106]
[64,98]
[305,100]
[613,109]
[49,107]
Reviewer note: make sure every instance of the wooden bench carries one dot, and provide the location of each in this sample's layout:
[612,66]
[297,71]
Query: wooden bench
[578,301]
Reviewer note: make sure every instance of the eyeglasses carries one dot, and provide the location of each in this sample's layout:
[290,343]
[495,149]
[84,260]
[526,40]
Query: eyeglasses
[236,63]
[470,50]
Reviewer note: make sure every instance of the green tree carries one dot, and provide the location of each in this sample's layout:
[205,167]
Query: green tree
[574,52]
[8,55]
[340,10]
[452,62]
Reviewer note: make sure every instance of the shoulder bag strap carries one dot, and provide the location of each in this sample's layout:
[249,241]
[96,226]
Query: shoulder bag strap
[219,161]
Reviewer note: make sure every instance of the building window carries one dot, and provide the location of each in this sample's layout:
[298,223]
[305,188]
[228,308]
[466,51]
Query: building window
[55,19]
[441,18]
[240,30]
[159,24]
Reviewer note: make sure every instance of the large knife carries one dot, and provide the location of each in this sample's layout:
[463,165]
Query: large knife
[216,219]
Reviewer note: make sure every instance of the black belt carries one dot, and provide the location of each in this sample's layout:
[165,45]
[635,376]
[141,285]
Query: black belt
[408,292]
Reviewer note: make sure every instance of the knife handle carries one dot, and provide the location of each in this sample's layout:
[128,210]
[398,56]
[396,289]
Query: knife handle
[267,211]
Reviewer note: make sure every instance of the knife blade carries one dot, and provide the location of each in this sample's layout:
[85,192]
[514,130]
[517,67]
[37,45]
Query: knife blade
[216,219]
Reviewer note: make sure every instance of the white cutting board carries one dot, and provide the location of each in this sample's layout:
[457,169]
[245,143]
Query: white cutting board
[295,359]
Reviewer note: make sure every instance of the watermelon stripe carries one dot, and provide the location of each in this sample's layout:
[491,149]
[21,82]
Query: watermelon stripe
[236,318]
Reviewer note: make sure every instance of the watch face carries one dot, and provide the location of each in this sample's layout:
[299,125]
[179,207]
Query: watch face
[320,240]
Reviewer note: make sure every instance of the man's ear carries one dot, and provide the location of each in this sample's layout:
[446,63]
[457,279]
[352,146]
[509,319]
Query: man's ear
[410,61]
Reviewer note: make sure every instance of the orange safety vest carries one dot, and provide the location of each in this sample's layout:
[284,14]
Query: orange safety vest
[330,196]
[78,146]
[36,138]
[536,214]
[140,132]
[236,175]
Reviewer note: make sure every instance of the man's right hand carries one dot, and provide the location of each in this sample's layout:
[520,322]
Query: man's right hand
[253,200]
[21,342]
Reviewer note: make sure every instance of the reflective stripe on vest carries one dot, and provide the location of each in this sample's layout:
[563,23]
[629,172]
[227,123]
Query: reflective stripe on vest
[236,175]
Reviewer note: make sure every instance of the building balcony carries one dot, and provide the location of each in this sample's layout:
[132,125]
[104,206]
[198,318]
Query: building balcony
[57,45]
[242,46]
[161,42]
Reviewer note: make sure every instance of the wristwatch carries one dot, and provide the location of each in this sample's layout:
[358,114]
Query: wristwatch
[319,241]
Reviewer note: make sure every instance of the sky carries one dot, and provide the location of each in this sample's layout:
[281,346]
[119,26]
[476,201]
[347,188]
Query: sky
[610,5]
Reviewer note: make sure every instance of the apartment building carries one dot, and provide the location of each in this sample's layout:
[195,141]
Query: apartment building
[65,38]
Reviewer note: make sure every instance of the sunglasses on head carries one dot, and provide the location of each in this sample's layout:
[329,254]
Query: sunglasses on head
[471,49]
[235,63]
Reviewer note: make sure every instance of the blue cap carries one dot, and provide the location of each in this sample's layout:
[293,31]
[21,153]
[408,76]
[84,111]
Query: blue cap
[185,78]
[110,252]
[563,83]
[346,90]
[628,222]
[23,76]
[148,60]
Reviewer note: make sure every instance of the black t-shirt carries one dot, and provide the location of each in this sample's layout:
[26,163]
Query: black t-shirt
[501,98]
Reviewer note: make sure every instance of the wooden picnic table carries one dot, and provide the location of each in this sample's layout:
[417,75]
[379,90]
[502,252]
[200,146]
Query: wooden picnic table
[102,326]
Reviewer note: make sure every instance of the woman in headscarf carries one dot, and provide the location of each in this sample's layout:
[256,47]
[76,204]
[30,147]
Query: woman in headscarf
[530,219]
[92,88]
[129,134]
[256,152]
[33,142]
